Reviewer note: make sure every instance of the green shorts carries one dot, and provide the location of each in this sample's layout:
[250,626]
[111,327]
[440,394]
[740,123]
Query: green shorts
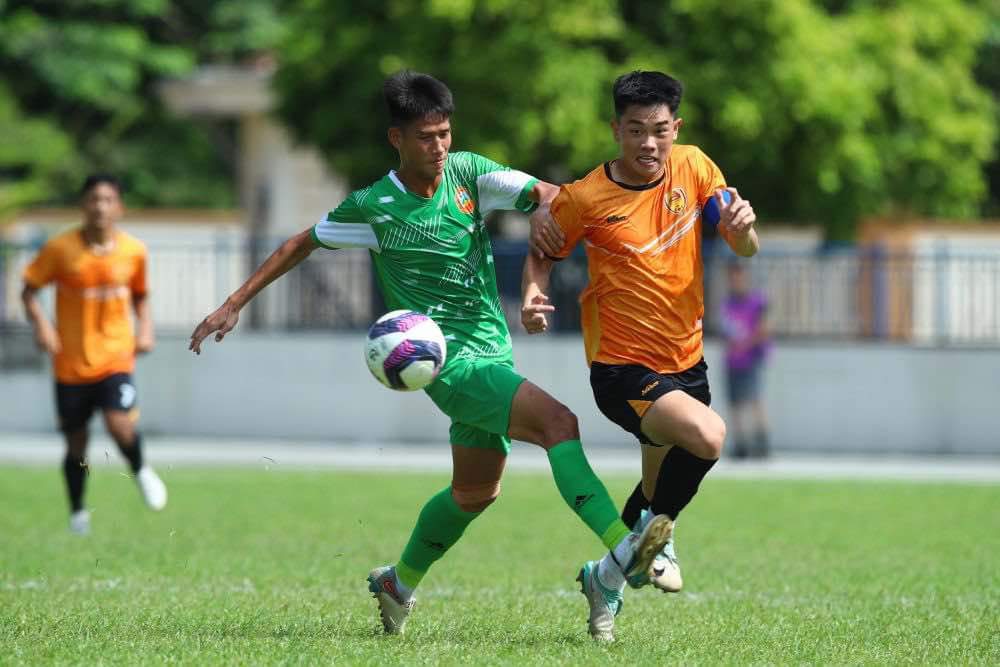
[477,394]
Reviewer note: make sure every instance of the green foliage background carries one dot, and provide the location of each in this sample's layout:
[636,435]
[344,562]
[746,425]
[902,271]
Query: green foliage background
[819,110]
[78,95]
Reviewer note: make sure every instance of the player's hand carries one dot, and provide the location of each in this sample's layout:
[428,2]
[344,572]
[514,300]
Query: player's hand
[47,340]
[220,323]
[547,237]
[144,343]
[533,312]
[737,217]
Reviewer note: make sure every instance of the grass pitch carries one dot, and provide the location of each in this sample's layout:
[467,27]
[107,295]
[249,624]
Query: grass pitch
[268,566]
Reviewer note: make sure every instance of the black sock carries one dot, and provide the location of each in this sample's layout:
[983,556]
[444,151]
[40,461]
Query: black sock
[634,506]
[75,472]
[680,474]
[133,453]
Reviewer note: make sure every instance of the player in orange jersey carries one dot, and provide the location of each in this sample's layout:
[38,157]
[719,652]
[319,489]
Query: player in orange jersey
[100,273]
[639,217]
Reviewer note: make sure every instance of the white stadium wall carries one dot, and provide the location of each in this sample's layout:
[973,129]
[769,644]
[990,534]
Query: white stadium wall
[880,399]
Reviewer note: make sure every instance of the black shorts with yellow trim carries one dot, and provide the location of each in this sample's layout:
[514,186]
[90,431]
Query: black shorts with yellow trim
[624,392]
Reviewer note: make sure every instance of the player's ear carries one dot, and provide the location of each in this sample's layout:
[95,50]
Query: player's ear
[616,130]
[395,137]
[677,126]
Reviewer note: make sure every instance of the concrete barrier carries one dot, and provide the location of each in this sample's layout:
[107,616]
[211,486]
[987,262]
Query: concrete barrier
[852,398]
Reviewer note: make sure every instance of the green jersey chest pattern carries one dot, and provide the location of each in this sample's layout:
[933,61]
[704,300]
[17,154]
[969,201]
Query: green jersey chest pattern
[433,255]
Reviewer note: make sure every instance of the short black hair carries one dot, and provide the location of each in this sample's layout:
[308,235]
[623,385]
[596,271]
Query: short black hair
[411,96]
[97,178]
[645,89]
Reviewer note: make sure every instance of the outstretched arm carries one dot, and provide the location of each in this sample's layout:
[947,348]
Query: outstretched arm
[281,261]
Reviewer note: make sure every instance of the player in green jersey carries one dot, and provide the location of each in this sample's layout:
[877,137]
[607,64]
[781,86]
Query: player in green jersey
[423,225]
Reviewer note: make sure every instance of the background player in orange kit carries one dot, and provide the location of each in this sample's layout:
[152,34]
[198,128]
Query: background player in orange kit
[99,272]
[639,216]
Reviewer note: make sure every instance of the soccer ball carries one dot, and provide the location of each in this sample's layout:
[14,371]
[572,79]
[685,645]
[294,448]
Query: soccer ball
[405,350]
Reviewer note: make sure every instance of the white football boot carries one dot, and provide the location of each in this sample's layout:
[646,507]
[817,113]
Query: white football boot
[79,522]
[666,571]
[641,547]
[666,574]
[391,606]
[604,602]
[154,491]
[653,532]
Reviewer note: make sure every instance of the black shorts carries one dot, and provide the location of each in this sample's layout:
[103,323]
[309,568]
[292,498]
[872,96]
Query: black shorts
[615,385]
[76,403]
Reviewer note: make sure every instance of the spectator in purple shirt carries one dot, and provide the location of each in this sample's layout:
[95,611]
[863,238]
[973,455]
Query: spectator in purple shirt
[744,326]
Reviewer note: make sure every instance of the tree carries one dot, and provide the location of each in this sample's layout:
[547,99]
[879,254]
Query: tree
[820,111]
[833,116]
[988,76]
[79,78]
[529,77]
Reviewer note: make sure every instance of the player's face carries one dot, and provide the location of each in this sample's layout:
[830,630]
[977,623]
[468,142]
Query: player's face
[645,136]
[423,146]
[102,206]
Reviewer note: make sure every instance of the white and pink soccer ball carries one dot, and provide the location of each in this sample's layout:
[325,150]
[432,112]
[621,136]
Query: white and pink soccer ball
[405,350]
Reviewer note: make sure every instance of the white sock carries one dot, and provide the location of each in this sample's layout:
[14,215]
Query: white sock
[626,548]
[610,574]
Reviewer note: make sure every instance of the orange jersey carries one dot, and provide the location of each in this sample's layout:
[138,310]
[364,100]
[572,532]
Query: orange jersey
[645,300]
[93,299]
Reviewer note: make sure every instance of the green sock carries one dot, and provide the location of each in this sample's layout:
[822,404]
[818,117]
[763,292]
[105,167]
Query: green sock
[584,492]
[440,524]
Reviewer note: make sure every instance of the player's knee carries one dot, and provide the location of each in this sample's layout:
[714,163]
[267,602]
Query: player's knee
[76,441]
[711,436]
[561,426]
[475,497]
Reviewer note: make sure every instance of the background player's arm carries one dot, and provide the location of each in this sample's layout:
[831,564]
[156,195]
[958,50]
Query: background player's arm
[291,253]
[46,336]
[534,301]
[144,337]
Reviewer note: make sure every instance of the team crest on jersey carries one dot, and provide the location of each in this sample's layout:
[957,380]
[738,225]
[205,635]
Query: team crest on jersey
[677,201]
[464,200]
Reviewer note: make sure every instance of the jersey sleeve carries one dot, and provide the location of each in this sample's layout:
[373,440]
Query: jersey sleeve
[138,283]
[498,187]
[565,212]
[44,268]
[710,177]
[346,227]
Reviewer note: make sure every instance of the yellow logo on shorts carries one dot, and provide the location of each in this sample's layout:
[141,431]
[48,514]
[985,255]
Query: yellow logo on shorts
[649,387]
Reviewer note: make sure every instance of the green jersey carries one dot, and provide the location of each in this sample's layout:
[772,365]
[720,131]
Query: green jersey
[433,255]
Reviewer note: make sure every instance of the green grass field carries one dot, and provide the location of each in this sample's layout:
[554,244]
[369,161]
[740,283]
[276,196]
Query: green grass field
[268,566]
